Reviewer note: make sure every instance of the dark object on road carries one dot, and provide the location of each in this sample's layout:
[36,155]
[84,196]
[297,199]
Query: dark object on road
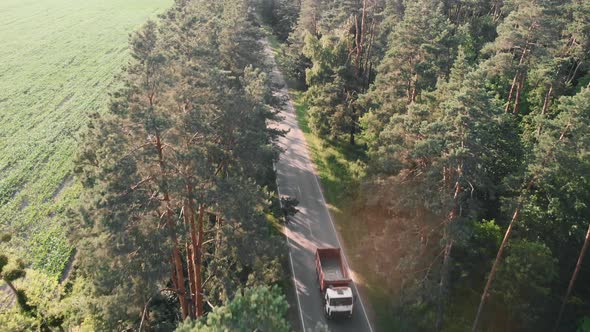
[288,207]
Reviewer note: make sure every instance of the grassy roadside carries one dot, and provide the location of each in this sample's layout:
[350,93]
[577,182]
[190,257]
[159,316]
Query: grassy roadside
[340,168]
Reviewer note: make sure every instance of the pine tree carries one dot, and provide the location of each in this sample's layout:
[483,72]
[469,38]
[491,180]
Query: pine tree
[329,94]
[419,53]
[238,39]
[180,171]
[281,15]
[448,148]
[260,308]
[558,153]
[525,37]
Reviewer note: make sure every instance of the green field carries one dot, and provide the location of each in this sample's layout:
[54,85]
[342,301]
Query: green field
[58,59]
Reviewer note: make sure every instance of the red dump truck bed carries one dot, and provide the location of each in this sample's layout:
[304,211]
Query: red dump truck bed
[331,268]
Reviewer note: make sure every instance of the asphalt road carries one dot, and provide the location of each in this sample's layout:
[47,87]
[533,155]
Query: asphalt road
[312,226]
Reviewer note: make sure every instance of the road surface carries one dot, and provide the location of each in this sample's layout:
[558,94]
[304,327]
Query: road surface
[312,226]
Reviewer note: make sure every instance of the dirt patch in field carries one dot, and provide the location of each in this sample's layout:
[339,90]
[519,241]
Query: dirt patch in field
[69,266]
[66,182]
[24,203]
[64,101]
[7,298]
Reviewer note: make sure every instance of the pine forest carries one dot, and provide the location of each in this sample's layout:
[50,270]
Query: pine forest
[178,165]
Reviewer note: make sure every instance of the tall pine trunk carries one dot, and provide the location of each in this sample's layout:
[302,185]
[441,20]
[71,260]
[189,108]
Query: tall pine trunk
[442,287]
[486,289]
[199,262]
[190,256]
[445,269]
[519,90]
[515,216]
[570,287]
[176,259]
[190,203]
[511,92]
[191,279]
[196,252]
[367,66]
[180,276]
[517,80]
[546,103]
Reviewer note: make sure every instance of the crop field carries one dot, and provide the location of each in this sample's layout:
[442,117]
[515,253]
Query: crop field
[58,59]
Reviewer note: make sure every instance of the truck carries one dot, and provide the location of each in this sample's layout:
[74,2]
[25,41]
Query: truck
[334,282]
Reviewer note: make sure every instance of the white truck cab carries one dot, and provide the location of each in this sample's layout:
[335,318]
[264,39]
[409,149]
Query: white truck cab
[338,301]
